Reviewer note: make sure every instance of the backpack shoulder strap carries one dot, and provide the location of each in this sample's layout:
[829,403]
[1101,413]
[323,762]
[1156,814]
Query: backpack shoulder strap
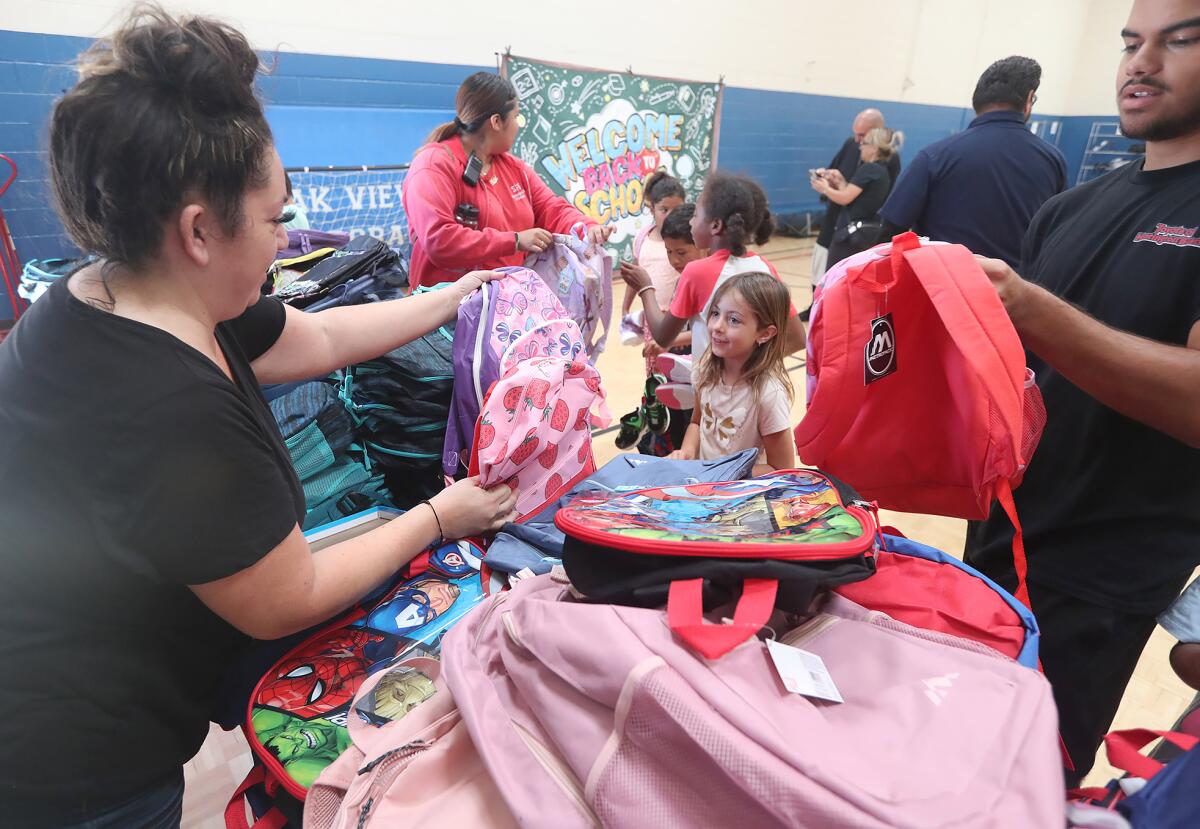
[979,326]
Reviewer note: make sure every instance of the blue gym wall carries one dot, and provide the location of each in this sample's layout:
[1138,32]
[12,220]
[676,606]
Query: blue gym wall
[328,110]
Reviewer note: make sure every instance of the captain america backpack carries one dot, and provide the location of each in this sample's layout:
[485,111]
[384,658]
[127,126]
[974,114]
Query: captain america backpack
[918,393]
[297,715]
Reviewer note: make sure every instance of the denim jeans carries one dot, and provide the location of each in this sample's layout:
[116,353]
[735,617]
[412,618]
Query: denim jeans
[157,807]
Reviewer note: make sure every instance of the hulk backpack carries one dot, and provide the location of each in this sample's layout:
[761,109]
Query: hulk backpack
[298,712]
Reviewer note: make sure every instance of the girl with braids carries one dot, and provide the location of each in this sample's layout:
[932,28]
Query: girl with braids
[743,394]
[506,214]
[731,211]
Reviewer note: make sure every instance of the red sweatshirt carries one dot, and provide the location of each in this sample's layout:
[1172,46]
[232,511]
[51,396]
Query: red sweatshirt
[442,249]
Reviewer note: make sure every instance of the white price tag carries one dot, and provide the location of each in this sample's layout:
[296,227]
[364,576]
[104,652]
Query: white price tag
[802,672]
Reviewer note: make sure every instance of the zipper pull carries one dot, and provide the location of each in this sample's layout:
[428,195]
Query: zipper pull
[362,814]
[415,744]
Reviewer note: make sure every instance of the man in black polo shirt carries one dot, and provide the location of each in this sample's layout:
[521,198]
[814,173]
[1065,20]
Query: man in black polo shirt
[981,187]
[1109,305]
[846,163]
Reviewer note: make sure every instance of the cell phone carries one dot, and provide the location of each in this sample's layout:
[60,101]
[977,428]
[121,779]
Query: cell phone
[816,173]
[473,171]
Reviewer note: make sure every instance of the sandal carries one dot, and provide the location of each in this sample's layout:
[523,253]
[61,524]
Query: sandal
[632,427]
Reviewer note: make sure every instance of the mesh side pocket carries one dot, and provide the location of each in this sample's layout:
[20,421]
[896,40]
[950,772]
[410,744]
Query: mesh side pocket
[1033,418]
[310,451]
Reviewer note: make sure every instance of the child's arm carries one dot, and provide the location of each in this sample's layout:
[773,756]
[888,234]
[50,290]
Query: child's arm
[781,454]
[664,326]
[774,425]
[691,440]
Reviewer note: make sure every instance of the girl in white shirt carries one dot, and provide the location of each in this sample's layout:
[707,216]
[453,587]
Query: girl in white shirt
[743,393]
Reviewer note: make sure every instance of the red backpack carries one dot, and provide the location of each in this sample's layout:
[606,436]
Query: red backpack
[918,394]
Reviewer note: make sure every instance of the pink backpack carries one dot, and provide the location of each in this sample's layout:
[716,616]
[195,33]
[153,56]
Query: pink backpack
[580,275]
[918,394]
[505,321]
[534,430]
[588,714]
[421,770]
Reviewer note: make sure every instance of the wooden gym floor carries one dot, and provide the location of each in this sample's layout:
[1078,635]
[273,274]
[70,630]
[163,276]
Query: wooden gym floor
[1154,699]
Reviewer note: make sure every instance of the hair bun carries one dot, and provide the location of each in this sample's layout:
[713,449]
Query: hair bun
[206,67]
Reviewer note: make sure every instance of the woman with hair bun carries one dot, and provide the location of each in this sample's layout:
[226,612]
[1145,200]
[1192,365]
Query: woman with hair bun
[150,511]
[859,225]
[470,203]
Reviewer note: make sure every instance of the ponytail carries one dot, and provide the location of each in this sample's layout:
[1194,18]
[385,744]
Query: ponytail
[480,96]
[886,141]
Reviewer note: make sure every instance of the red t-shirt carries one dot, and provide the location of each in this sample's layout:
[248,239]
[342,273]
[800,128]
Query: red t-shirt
[698,283]
[510,198]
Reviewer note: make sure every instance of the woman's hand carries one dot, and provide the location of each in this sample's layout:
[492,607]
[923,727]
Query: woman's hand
[466,284]
[684,454]
[635,276]
[598,234]
[466,509]
[834,178]
[534,240]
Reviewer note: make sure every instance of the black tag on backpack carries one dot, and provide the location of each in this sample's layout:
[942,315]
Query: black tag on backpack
[879,354]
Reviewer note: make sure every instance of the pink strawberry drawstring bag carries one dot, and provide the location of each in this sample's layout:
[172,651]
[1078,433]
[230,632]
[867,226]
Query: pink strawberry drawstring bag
[534,430]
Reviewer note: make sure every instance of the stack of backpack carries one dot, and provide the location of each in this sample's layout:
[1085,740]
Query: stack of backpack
[580,275]
[396,404]
[400,402]
[320,438]
[516,346]
[363,270]
[298,714]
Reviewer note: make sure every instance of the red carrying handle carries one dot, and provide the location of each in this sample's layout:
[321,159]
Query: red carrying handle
[685,615]
[235,812]
[1124,749]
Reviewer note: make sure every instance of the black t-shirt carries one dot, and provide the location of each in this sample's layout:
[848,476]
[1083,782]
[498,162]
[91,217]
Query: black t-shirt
[1111,507]
[130,468]
[846,162]
[875,182]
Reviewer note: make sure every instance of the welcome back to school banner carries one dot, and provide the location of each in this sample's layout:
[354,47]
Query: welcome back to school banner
[596,136]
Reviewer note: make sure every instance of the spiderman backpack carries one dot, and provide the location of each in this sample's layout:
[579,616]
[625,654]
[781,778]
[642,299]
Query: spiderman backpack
[918,394]
[297,716]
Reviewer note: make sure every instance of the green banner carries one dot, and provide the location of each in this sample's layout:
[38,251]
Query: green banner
[595,136]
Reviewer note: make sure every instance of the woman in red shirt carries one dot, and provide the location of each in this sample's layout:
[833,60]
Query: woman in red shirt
[510,212]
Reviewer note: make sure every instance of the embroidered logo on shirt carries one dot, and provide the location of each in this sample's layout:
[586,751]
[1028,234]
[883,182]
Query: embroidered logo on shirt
[518,192]
[1180,237]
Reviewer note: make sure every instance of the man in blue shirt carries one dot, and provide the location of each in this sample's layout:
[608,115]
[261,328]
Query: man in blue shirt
[981,187]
